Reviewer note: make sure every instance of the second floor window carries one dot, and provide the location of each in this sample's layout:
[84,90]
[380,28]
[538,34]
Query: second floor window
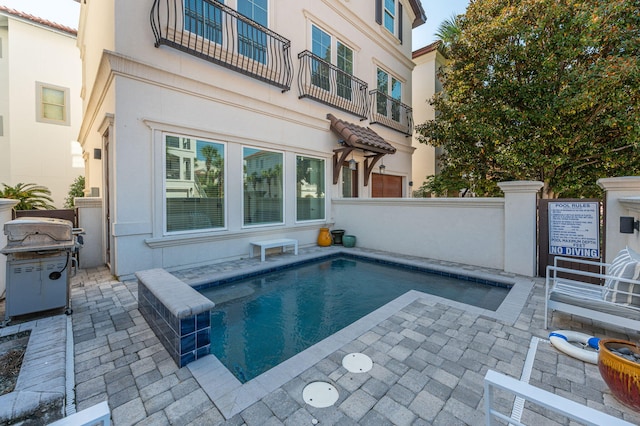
[52,104]
[321,46]
[203,19]
[390,15]
[389,95]
[252,42]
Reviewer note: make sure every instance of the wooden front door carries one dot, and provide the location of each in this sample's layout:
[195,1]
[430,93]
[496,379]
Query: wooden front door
[386,186]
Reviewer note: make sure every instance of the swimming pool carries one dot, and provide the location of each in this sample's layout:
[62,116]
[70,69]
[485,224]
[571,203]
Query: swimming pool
[262,320]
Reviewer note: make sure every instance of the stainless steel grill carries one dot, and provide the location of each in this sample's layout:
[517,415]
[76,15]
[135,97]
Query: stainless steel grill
[40,252]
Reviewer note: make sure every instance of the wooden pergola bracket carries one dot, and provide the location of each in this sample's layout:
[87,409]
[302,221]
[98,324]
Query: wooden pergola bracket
[369,163]
[339,155]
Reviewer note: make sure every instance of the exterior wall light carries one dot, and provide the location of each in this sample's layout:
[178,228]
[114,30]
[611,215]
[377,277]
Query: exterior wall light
[628,224]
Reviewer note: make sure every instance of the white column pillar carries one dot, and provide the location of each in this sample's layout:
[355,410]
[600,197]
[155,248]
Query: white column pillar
[520,219]
[5,216]
[90,219]
[622,198]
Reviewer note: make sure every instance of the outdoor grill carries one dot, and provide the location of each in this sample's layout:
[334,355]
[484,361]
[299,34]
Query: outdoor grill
[40,251]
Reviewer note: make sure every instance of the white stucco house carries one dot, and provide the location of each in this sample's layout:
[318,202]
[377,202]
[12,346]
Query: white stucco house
[40,103]
[211,124]
[429,60]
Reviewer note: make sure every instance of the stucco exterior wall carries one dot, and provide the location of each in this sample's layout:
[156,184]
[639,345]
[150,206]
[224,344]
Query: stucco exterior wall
[425,85]
[32,151]
[469,231]
[5,147]
[138,92]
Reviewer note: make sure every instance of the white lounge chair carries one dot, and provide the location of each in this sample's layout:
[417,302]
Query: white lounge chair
[616,302]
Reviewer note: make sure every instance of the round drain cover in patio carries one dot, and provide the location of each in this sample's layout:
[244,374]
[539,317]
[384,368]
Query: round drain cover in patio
[357,363]
[320,394]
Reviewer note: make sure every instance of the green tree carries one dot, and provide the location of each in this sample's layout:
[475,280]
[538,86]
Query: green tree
[31,196]
[214,171]
[541,90]
[75,190]
[448,32]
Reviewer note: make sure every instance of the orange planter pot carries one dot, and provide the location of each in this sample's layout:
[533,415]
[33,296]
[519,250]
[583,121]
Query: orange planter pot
[324,237]
[621,375]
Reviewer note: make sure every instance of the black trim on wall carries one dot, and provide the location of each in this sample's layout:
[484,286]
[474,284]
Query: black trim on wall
[400,20]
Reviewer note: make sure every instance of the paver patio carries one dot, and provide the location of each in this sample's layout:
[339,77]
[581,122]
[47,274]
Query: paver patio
[429,359]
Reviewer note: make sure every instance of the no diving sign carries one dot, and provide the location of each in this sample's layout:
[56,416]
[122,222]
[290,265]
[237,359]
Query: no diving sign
[574,229]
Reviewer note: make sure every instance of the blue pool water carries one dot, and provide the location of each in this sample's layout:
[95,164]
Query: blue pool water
[261,321]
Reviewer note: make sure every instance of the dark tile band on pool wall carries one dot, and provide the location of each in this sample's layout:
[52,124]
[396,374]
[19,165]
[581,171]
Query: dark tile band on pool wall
[187,338]
[418,268]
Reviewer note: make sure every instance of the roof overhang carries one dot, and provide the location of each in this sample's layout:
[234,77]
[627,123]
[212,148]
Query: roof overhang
[421,16]
[354,137]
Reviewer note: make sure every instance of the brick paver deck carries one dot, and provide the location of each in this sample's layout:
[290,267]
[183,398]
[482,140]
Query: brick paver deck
[429,359]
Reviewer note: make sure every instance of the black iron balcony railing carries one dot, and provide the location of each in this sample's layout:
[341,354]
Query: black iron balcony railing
[214,32]
[391,113]
[326,83]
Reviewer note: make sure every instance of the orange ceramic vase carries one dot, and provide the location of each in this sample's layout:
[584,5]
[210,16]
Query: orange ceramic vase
[324,237]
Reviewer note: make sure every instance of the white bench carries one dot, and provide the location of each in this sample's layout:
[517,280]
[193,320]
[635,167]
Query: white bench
[264,245]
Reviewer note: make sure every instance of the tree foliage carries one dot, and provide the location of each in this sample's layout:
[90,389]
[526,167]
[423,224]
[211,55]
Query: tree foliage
[76,190]
[31,196]
[448,32]
[543,90]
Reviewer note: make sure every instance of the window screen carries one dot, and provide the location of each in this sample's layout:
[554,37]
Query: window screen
[194,184]
[263,191]
[310,188]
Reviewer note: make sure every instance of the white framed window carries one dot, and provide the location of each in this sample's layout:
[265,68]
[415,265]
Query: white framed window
[194,184]
[52,104]
[390,16]
[262,186]
[390,95]
[322,46]
[252,42]
[310,188]
[207,20]
[203,19]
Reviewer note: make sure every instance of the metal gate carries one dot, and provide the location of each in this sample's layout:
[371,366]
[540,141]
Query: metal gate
[545,257]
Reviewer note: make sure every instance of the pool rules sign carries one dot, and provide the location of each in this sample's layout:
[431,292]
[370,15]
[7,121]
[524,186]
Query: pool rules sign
[574,229]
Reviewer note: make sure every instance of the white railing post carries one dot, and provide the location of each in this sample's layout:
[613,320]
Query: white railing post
[96,415]
[566,407]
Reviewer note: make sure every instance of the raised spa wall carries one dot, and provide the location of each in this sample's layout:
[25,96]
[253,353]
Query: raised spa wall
[178,315]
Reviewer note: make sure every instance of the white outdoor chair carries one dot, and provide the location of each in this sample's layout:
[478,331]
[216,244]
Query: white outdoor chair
[616,302]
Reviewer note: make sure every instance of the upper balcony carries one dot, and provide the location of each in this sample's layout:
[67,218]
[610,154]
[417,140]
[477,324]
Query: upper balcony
[214,32]
[391,113]
[326,83]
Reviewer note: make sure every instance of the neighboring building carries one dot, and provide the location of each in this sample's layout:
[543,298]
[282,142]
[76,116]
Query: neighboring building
[218,124]
[426,83]
[40,104]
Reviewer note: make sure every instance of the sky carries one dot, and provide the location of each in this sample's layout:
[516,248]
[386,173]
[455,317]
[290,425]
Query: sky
[66,12]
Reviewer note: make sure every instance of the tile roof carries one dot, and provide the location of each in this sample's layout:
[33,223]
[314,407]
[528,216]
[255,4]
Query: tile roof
[360,137]
[38,20]
[426,49]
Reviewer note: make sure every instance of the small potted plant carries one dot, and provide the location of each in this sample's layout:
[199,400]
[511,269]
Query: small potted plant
[619,365]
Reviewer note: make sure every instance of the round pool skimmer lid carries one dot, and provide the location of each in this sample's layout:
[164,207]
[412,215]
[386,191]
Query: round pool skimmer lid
[320,394]
[357,363]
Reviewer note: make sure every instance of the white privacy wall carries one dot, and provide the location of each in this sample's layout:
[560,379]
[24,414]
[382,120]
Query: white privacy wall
[466,230]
